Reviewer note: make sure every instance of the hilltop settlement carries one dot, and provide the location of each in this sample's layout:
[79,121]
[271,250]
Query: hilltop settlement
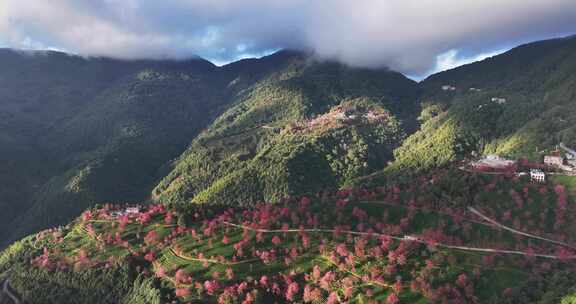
[561,161]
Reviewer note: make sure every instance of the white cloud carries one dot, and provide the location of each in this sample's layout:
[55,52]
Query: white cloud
[451,59]
[406,35]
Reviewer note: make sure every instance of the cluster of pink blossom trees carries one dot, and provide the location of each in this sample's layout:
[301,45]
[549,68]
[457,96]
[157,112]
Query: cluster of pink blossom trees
[382,244]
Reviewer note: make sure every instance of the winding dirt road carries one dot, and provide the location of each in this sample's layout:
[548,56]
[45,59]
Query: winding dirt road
[518,232]
[407,238]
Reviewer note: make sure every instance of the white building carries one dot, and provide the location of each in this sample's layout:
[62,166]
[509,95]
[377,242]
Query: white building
[499,100]
[537,175]
[552,160]
[448,88]
[493,157]
[129,211]
[132,210]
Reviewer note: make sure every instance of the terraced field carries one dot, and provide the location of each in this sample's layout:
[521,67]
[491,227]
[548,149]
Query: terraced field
[403,244]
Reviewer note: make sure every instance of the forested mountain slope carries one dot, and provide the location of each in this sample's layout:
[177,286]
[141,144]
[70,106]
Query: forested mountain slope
[518,104]
[78,131]
[306,127]
[248,165]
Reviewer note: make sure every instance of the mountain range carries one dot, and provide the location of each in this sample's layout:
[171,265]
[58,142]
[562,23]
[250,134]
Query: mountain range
[83,131]
[78,133]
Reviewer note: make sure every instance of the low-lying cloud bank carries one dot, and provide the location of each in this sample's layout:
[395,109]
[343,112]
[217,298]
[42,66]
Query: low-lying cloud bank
[406,35]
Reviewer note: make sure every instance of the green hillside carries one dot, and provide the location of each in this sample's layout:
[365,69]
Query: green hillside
[304,128]
[284,179]
[518,104]
[77,131]
[537,85]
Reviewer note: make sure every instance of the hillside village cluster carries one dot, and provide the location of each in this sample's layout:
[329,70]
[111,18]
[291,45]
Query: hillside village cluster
[496,100]
[339,116]
[555,162]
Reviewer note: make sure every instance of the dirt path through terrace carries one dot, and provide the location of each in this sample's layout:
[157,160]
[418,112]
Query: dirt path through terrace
[211,261]
[486,221]
[406,238]
[517,232]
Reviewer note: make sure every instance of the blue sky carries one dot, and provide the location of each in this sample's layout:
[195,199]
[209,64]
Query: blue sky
[415,37]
